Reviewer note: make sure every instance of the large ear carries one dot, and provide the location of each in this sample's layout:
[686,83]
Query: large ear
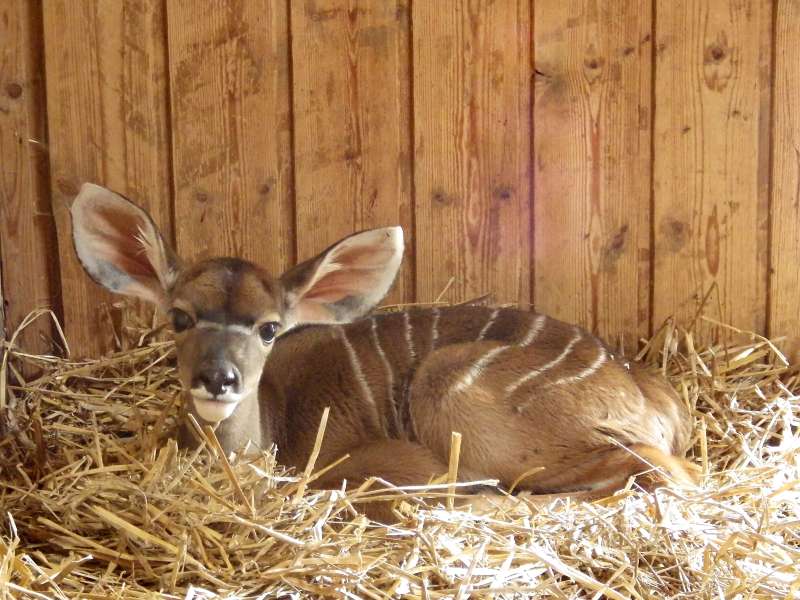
[345,281]
[120,247]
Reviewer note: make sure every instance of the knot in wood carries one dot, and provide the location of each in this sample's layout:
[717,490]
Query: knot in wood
[716,53]
[14,90]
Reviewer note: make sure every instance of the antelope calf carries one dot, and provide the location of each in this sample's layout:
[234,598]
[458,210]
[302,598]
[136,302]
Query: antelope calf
[263,356]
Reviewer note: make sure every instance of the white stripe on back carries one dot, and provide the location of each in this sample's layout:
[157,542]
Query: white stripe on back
[381,353]
[486,327]
[601,358]
[356,365]
[475,370]
[434,329]
[533,332]
[389,374]
[409,340]
[547,366]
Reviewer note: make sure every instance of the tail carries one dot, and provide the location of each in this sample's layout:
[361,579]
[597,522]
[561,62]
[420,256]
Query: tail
[652,468]
[663,398]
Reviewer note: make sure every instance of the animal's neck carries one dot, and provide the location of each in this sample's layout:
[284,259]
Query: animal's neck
[370,360]
[243,426]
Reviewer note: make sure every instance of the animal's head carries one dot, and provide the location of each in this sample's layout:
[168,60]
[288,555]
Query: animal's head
[227,313]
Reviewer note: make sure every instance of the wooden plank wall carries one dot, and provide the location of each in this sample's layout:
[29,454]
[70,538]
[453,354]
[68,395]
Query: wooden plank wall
[784,271]
[711,160]
[352,111]
[609,162]
[471,79]
[29,276]
[107,121]
[592,148]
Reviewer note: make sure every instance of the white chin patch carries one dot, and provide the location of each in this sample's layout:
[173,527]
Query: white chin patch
[214,410]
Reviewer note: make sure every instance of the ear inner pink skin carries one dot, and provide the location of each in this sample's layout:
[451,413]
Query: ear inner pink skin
[119,246]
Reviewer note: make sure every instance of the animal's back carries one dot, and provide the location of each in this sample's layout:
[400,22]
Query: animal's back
[524,389]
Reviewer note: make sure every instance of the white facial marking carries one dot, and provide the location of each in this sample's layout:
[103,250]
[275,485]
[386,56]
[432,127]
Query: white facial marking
[213,411]
[409,340]
[201,393]
[475,370]
[486,327]
[596,363]
[233,327]
[510,389]
[356,366]
[213,408]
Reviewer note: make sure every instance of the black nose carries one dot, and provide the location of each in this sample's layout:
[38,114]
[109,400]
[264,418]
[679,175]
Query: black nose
[218,379]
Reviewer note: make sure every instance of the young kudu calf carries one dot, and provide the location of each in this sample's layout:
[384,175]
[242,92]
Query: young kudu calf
[263,356]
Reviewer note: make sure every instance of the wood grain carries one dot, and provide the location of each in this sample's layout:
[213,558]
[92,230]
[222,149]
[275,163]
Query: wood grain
[107,120]
[649,159]
[352,105]
[27,230]
[3,331]
[472,69]
[592,173]
[785,209]
[711,154]
[229,71]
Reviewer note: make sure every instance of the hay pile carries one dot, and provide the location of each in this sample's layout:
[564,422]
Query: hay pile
[97,502]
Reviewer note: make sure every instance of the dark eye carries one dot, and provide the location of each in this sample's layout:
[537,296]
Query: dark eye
[268,330]
[181,320]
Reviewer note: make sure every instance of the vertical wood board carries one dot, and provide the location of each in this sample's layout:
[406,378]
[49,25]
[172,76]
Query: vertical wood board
[28,247]
[710,210]
[231,125]
[472,70]
[107,121]
[785,208]
[352,130]
[592,178]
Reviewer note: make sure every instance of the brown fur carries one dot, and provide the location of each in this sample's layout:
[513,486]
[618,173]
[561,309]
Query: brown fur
[526,391]
[572,431]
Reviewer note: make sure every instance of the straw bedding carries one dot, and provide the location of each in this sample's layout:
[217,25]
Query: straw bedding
[97,502]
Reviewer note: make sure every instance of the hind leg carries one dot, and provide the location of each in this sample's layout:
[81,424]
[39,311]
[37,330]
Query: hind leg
[398,462]
[601,474]
[605,471]
[589,436]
